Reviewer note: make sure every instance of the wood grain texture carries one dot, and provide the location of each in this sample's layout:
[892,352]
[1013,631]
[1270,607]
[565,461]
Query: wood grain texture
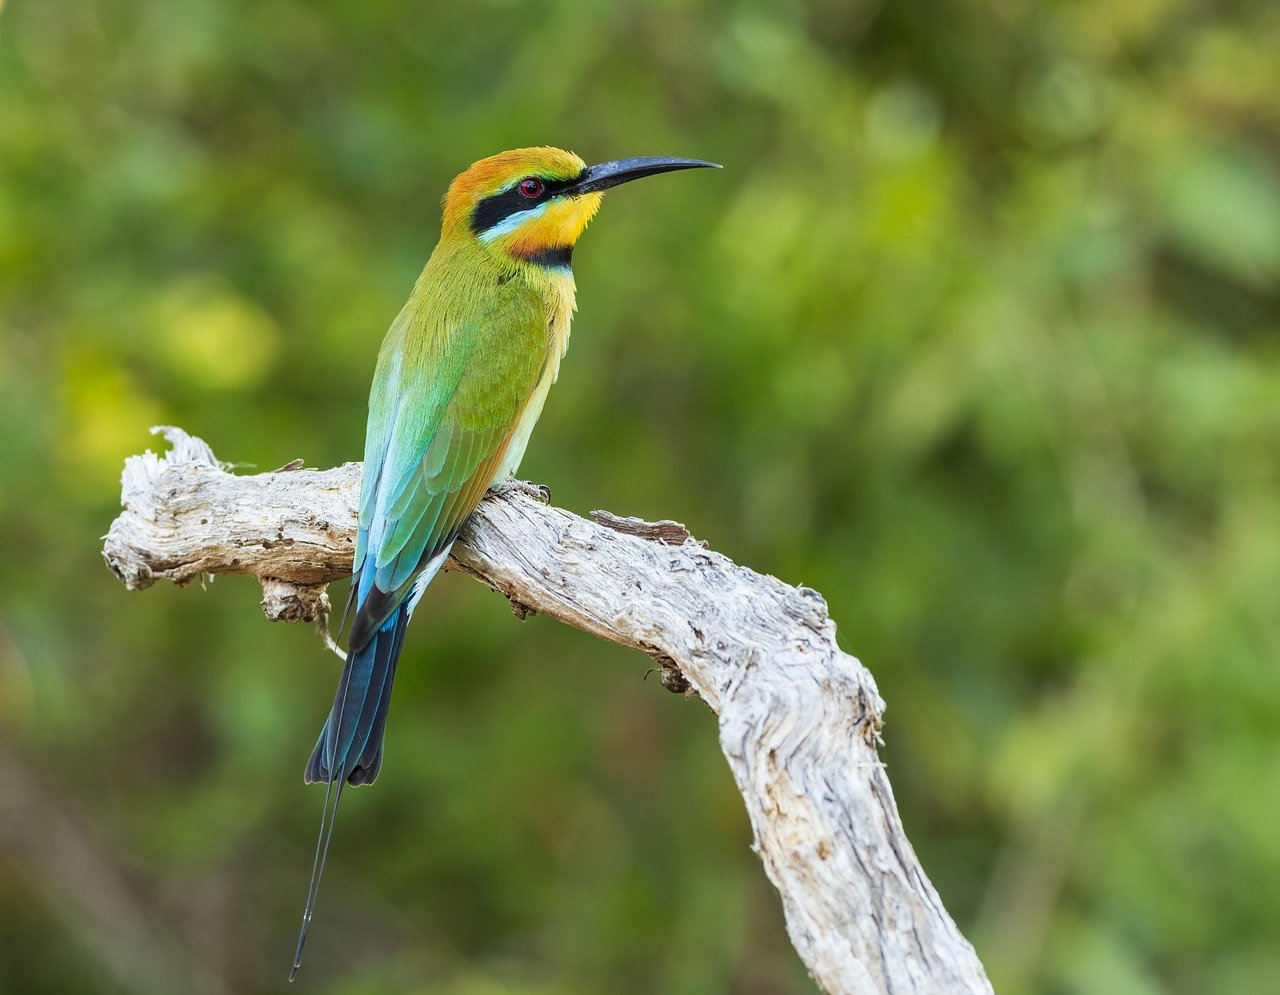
[799,719]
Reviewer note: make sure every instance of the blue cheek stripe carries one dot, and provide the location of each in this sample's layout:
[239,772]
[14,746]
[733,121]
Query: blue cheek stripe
[511,222]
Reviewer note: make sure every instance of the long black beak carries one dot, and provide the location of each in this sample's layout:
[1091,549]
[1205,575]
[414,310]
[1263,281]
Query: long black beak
[610,174]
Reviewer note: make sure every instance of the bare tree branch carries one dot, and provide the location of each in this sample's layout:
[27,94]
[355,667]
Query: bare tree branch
[799,719]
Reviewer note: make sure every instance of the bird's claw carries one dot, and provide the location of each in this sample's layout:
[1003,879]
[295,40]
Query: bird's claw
[512,485]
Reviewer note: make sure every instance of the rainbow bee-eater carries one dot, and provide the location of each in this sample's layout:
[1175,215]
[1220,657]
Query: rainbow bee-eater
[460,381]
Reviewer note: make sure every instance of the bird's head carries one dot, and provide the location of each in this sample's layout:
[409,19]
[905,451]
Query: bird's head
[531,205]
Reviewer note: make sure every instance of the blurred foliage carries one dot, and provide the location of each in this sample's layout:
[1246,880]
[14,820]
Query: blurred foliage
[976,334]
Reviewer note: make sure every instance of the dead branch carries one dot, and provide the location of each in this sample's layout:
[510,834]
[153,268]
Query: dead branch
[799,719]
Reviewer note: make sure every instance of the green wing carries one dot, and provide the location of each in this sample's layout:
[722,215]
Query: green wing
[445,402]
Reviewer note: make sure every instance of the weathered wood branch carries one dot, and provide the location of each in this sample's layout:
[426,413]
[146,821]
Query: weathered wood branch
[799,719]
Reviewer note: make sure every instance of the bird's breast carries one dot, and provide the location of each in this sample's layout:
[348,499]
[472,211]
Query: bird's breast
[560,308]
[559,317]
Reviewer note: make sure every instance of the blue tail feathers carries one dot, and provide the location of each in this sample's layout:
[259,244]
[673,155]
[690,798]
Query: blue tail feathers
[349,750]
[350,745]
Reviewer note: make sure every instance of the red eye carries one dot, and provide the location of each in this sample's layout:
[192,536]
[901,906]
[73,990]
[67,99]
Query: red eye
[531,188]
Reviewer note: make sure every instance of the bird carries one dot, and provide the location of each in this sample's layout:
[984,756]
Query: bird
[459,384]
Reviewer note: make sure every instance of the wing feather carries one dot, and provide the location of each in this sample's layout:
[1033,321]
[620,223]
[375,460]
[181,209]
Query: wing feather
[445,403]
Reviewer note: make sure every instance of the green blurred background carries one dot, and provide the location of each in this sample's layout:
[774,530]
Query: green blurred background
[976,333]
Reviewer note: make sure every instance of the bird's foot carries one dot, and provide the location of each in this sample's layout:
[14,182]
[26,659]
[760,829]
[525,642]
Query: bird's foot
[512,485]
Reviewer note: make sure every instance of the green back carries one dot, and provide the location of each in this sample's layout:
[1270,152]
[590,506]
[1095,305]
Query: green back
[454,374]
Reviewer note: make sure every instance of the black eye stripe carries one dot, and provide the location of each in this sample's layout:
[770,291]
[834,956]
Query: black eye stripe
[500,206]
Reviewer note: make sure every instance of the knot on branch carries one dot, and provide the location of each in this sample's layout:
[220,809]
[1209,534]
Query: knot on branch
[284,601]
[670,676]
[671,532]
